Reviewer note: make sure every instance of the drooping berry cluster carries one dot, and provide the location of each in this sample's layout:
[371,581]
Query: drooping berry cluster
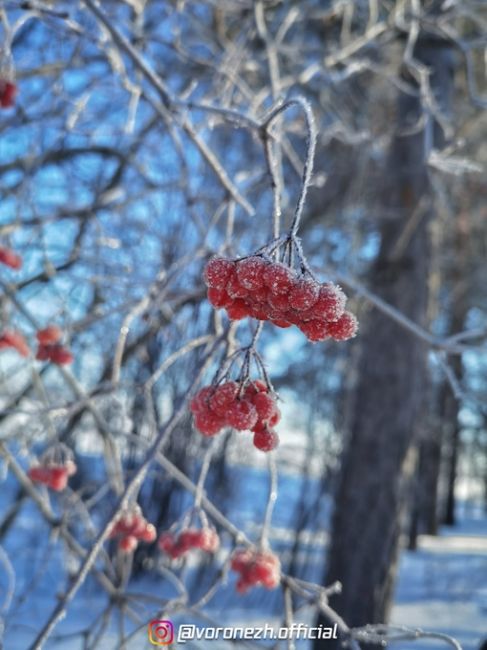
[54,475]
[8,91]
[254,409]
[256,568]
[130,528]
[204,539]
[271,291]
[50,349]
[9,258]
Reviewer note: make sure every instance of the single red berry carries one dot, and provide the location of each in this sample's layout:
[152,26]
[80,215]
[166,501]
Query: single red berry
[12,339]
[208,423]
[315,330]
[238,310]
[330,304]
[266,440]
[241,415]
[279,278]
[250,272]
[49,335]
[9,258]
[265,405]
[345,328]
[128,544]
[218,297]
[303,294]
[223,396]
[217,272]
[8,91]
[201,399]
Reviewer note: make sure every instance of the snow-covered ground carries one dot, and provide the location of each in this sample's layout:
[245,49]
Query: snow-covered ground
[442,586]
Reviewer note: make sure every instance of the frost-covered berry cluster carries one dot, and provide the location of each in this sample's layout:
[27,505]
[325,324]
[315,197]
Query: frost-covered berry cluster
[204,539]
[54,475]
[256,568]
[49,347]
[131,528]
[248,408]
[271,291]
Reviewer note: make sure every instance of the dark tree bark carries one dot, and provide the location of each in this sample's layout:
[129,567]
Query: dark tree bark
[376,466]
[449,403]
[431,464]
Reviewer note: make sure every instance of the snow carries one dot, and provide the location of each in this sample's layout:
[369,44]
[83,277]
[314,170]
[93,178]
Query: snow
[442,586]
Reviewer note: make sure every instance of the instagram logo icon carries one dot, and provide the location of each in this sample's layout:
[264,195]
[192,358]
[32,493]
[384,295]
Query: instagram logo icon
[161,632]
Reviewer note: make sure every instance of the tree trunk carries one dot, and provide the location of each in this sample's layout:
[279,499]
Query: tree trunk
[376,466]
[449,402]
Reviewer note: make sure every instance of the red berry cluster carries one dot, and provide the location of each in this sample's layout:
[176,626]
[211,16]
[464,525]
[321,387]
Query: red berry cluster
[49,348]
[55,476]
[130,528]
[226,405]
[9,258]
[256,568]
[205,539]
[271,291]
[15,340]
[8,90]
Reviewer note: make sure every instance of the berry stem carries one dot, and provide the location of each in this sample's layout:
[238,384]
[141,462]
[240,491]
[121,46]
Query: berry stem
[275,181]
[203,474]
[271,501]
[310,151]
